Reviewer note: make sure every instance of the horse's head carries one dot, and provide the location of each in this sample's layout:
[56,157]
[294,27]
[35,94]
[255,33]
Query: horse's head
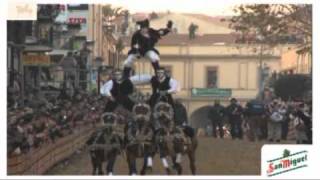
[141,113]
[163,111]
[109,120]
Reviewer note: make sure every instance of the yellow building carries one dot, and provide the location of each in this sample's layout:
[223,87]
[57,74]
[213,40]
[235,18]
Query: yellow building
[296,61]
[104,43]
[210,67]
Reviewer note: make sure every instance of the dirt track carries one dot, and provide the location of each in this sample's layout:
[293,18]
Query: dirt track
[214,157]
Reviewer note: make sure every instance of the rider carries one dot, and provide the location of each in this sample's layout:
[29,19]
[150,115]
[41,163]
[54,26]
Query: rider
[163,86]
[142,44]
[118,90]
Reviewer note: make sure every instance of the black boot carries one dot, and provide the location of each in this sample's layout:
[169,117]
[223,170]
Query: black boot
[126,72]
[155,66]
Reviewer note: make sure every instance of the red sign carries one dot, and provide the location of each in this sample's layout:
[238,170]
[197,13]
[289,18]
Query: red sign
[77,20]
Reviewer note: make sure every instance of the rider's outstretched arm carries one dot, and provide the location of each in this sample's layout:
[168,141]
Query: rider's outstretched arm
[106,88]
[142,79]
[174,86]
[165,31]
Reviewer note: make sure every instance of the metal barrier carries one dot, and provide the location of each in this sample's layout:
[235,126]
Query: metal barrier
[38,161]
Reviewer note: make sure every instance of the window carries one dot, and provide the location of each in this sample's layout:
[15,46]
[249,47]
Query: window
[212,77]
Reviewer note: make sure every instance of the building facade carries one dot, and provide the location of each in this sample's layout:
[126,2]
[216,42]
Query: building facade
[296,60]
[104,41]
[210,67]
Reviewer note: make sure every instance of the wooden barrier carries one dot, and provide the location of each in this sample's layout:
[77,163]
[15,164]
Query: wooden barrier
[38,161]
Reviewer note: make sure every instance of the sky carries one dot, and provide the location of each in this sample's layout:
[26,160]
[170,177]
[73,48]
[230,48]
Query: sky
[213,7]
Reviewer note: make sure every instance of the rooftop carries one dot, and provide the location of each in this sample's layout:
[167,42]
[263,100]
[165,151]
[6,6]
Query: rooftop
[183,39]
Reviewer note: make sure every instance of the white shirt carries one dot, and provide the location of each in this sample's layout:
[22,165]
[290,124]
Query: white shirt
[106,88]
[146,79]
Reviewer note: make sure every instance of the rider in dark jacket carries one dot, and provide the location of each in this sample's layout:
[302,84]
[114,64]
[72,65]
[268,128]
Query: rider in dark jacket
[162,86]
[118,90]
[142,44]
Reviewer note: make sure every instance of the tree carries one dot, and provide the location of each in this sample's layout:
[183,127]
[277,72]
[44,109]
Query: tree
[125,24]
[119,45]
[110,14]
[274,23]
[292,86]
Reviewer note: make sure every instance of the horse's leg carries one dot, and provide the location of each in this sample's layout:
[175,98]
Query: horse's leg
[94,168]
[147,161]
[163,157]
[177,163]
[191,155]
[99,159]
[165,164]
[143,170]
[132,164]
[110,164]
[99,165]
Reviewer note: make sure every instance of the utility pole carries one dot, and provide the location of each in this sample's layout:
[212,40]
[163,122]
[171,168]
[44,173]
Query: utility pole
[260,71]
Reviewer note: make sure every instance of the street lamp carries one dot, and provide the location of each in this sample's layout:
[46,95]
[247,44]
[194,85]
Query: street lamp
[98,66]
[262,39]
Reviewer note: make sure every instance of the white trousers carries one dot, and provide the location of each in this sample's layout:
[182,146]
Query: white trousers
[151,55]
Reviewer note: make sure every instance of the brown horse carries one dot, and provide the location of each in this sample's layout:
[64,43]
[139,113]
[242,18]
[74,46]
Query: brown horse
[183,144]
[105,145]
[173,141]
[138,139]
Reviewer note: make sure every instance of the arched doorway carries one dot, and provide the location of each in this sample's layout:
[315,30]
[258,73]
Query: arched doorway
[199,118]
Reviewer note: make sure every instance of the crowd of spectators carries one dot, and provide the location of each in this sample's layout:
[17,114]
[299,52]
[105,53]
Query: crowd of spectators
[42,120]
[257,120]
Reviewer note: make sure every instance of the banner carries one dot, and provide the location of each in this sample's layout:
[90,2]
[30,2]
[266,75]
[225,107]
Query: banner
[215,92]
[36,60]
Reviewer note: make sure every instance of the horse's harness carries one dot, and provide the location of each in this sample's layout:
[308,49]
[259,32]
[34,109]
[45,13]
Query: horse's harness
[109,132]
[141,132]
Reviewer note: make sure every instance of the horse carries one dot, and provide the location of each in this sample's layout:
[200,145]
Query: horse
[173,141]
[138,139]
[183,144]
[163,120]
[105,145]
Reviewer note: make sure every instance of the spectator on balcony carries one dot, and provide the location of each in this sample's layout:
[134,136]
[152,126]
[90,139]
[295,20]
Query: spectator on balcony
[69,65]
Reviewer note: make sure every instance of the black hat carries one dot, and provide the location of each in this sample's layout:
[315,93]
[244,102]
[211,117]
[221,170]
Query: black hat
[233,100]
[143,23]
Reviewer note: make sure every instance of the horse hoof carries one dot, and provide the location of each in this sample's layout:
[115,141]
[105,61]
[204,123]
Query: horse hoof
[168,170]
[148,170]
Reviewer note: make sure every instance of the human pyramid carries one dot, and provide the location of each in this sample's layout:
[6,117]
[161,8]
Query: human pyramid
[150,128]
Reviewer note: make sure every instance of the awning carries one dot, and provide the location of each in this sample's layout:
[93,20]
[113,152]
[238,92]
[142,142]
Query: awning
[58,52]
[37,48]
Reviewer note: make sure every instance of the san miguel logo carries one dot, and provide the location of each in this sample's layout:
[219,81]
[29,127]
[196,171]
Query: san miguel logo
[288,162]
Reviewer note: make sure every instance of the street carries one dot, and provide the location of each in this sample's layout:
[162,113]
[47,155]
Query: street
[214,157]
